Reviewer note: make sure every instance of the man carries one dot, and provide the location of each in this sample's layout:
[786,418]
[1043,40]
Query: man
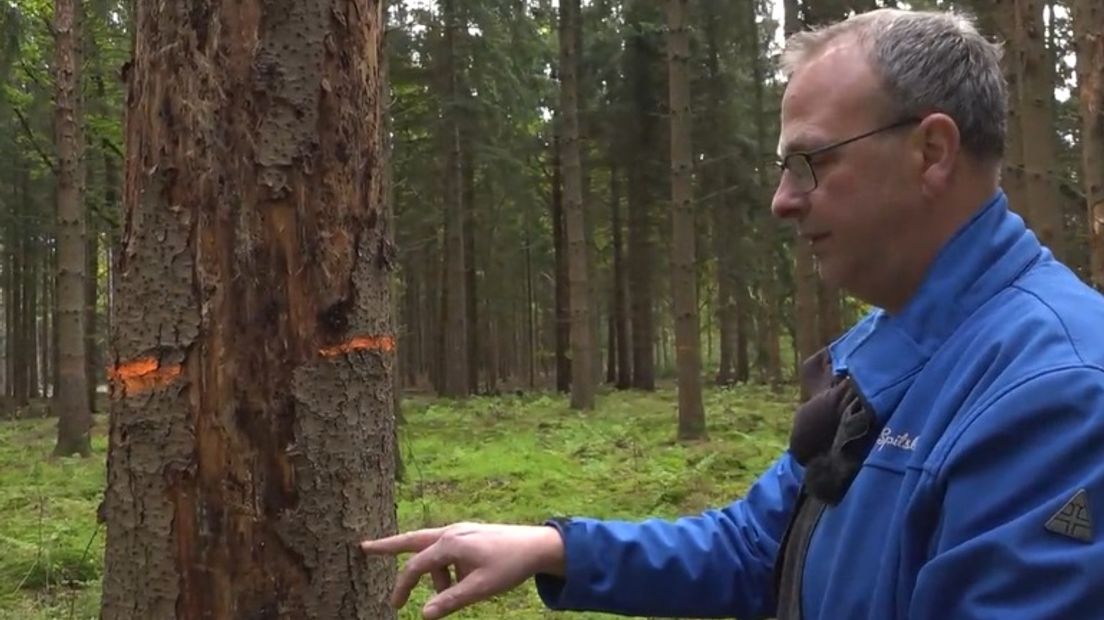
[952,463]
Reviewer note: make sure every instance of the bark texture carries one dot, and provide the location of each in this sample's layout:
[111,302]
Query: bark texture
[582,333]
[1088,23]
[252,426]
[691,415]
[72,405]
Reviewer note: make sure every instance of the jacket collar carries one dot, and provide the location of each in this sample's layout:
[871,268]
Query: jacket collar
[883,352]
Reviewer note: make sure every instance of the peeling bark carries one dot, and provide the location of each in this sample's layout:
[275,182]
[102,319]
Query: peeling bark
[251,440]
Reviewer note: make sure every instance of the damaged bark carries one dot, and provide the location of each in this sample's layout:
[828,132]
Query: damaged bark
[251,440]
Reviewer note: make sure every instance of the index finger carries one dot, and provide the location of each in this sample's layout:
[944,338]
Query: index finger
[408,542]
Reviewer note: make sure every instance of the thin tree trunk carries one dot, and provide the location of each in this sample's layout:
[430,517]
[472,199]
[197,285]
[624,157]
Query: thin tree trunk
[45,334]
[433,317]
[9,311]
[1088,22]
[998,19]
[563,288]
[620,290]
[770,282]
[30,314]
[252,413]
[456,383]
[611,344]
[743,329]
[691,415]
[72,405]
[582,336]
[1036,106]
[55,319]
[91,287]
[16,322]
[715,179]
[641,64]
[470,295]
[530,312]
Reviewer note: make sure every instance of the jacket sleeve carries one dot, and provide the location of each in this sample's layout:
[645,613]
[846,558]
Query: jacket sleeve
[1020,534]
[717,564]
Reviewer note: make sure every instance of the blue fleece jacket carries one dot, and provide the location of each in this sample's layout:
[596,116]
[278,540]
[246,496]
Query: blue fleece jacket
[989,387]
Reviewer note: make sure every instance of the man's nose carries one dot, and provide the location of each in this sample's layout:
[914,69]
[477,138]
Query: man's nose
[788,202]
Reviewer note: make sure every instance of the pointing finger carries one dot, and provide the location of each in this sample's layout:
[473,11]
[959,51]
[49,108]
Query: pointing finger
[402,543]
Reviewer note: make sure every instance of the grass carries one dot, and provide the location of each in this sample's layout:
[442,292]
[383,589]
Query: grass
[516,459]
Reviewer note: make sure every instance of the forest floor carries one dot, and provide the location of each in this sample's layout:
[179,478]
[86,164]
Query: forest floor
[517,459]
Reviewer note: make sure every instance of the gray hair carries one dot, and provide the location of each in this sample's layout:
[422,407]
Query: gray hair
[929,62]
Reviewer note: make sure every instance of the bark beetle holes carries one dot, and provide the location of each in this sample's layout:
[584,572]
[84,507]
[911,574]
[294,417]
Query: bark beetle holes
[335,319]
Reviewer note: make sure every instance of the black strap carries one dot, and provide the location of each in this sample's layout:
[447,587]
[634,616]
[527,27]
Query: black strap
[790,565]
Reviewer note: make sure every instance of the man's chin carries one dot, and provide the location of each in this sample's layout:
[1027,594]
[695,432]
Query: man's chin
[828,272]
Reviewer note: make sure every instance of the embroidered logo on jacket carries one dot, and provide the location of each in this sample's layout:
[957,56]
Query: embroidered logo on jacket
[903,441]
[1074,519]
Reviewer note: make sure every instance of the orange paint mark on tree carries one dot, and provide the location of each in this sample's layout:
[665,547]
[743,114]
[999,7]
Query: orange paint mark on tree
[360,343]
[142,375]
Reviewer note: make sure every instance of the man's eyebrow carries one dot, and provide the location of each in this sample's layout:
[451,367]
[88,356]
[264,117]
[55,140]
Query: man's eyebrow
[798,144]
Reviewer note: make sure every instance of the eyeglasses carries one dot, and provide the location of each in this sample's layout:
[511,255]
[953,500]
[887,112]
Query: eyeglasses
[800,164]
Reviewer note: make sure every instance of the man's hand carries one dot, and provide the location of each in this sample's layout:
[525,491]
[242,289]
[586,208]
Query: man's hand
[487,559]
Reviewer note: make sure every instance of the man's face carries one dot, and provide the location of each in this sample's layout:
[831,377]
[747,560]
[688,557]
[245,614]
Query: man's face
[857,218]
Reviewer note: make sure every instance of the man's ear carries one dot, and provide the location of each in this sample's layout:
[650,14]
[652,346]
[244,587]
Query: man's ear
[939,144]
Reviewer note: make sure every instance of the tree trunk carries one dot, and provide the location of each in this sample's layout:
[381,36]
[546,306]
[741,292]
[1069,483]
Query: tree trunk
[30,314]
[743,328]
[433,318]
[642,63]
[768,320]
[691,416]
[620,289]
[530,312]
[582,336]
[455,324]
[55,349]
[252,413]
[472,313]
[9,311]
[563,289]
[714,180]
[16,337]
[91,282]
[1088,22]
[997,18]
[72,405]
[411,352]
[1036,107]
[45,334]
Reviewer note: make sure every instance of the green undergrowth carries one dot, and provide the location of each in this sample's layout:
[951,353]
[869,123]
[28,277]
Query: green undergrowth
[516,459]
